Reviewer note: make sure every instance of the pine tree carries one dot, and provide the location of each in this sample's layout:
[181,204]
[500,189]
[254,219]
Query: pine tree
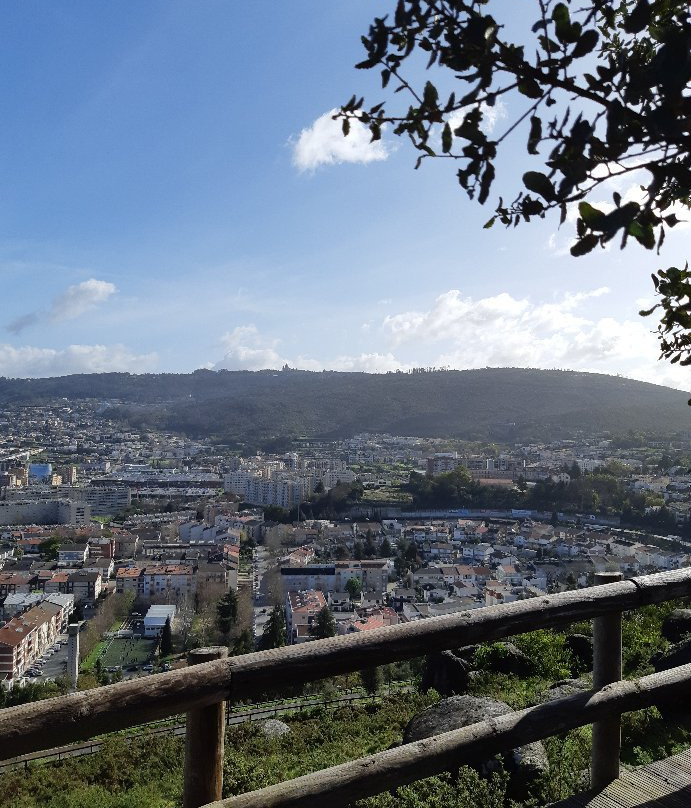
[324,626]
[227,611]
[385,550]
[166,639]
[274,635]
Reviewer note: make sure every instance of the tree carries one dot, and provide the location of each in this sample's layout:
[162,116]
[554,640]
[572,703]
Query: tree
[385,550]
[369,548]
[227,611]
[324,626]
[166,648]
[244,643]
[49,548]
[354,588]
[371,679]
[274,635]
[615,74]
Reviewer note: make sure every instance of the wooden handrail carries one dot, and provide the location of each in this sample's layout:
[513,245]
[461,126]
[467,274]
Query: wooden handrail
[82,715]
[340,786]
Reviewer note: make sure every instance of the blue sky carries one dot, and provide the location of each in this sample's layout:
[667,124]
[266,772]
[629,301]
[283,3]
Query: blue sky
[174,196]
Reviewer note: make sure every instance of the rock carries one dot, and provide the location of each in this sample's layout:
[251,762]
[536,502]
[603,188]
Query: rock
[679,654]
[508,659]
[467,653]
[566,687]
[446,673]
[273,728]
[677,625]
[581,647]
[527,765]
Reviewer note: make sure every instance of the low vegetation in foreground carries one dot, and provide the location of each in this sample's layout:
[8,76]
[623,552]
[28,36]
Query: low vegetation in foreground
[133,772]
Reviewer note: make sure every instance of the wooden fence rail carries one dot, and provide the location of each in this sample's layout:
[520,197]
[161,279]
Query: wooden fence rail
[80,716]
[339,786]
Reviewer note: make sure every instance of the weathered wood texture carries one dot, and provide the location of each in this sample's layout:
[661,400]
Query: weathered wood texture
[663,784]
[79,716]
[204,738]
[341,785]
[606,747]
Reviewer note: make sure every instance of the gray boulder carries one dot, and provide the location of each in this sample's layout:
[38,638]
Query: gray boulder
[510,659]
[273,728]
[527,765]
[446,673]
[677,625]
[467,653]
[679,654]
[581,648]
[562,689]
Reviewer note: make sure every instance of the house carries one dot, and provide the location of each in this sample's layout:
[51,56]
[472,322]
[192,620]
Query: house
[73,553]
[302,608]
[85,586]
[156,617]
[12,582]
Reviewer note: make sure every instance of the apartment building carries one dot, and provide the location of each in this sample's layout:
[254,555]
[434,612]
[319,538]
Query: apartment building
[174,582]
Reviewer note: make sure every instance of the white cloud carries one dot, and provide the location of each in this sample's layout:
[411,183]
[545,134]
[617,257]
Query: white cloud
[246,349]
[502,331]
[72,303]
[80,298]
[498,331]
[368,363]
[323,143]
[490,117]
[29,361]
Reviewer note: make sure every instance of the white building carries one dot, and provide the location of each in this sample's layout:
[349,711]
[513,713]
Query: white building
[155,619]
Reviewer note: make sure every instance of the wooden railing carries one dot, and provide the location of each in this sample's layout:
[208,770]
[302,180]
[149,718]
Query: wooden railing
[201,689]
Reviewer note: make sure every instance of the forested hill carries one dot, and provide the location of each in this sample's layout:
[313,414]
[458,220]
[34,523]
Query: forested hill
[259,406]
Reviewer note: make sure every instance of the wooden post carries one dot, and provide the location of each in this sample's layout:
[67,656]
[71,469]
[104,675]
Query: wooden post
[204,743]
[606,748]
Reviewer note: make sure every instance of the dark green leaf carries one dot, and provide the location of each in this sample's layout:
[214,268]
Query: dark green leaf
[639,17]
[486,183]
[530,88]
[586,43]
[643,233]
[539,184]
[594,218]
[446,138]
[535,134]
[430,95]
[584,245]
[489,223]
[345,126]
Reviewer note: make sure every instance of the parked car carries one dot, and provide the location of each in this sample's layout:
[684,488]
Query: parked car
[166,666]
[148,668]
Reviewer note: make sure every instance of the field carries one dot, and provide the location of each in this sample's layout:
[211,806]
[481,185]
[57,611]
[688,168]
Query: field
[127,651]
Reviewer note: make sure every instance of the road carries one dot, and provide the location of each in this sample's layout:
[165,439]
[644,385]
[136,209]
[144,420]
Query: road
[261,605]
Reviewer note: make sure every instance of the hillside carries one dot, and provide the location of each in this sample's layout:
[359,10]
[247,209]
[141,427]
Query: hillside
[244,406]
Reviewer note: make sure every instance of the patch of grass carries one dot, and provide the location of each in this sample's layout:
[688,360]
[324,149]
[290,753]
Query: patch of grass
[128,651]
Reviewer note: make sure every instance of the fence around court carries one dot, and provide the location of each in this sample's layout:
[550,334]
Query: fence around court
[202,689]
